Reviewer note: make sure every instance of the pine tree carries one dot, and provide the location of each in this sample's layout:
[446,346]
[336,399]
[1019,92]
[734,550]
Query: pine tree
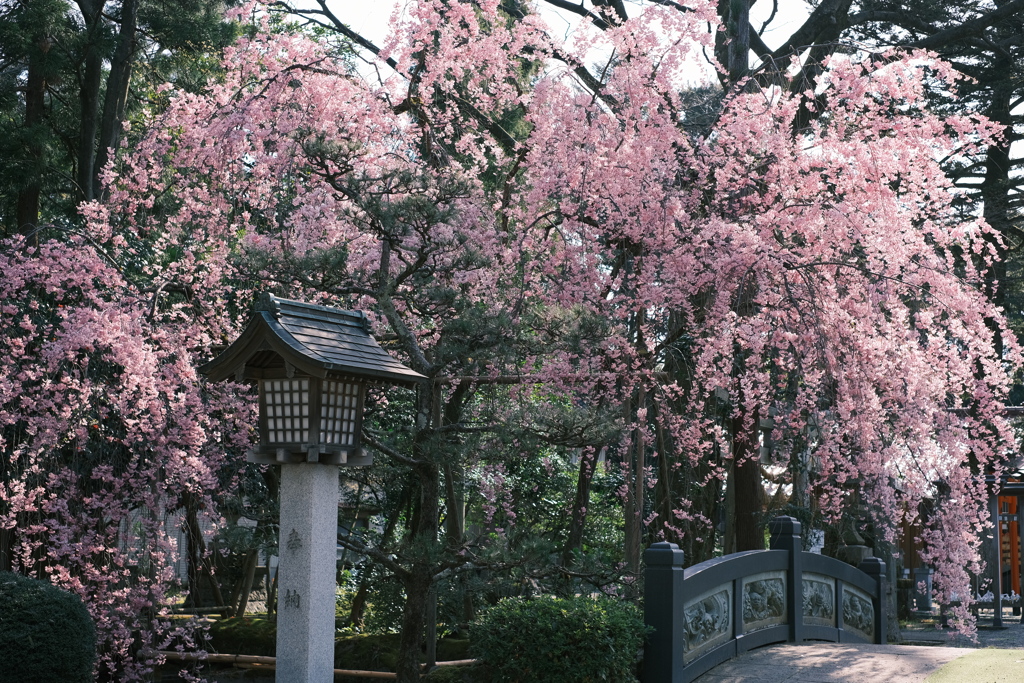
[73,73]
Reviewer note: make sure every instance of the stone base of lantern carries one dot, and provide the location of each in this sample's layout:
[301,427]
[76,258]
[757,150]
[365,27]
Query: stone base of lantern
[306,587]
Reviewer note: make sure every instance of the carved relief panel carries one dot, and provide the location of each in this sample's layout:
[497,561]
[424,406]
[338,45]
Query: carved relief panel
[819,599]
[764,600]
[858,612]
[708,621]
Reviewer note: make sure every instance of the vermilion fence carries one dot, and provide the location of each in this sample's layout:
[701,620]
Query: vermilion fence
[710,612]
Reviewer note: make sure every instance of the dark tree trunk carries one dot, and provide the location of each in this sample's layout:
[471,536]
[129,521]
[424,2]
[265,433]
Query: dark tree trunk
[995,191]
[665,485]
[739,39]
[747,484]
[418,580]
[455,499]
[580,503]
[6,550]
[89,97]
[417,592]
[116,96]
[635,503]
[358,610]
[248,576]
[193,553]
[198,563]
[272,597]
[636,482]
[35,104]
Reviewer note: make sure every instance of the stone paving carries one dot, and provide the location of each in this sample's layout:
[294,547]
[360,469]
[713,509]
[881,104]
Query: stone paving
[832,663]
[923,660]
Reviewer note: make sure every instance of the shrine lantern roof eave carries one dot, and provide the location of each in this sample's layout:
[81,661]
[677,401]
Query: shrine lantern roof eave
[1012,484]
[314,340]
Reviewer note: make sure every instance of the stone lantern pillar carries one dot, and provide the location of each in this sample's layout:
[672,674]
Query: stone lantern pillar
[312,365]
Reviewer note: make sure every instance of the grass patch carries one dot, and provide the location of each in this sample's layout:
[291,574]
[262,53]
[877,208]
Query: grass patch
[982,666]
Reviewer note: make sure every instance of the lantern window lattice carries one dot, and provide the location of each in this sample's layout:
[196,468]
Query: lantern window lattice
[287,410]
[291,405]
[339,412]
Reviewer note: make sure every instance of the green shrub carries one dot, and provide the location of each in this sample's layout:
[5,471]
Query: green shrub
[46,634]
[368,652]
[555,640]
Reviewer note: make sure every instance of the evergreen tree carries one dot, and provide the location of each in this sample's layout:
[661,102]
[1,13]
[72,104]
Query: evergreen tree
[72,74]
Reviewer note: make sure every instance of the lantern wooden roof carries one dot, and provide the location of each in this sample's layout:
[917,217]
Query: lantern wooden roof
[285,335]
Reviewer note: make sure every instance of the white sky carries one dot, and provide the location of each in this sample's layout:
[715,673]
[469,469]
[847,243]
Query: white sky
[370,19]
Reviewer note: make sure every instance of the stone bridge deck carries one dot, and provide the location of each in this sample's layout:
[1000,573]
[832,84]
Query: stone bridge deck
[998,657]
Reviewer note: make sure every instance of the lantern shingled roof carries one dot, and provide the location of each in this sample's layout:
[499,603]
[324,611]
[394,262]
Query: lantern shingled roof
[316,340]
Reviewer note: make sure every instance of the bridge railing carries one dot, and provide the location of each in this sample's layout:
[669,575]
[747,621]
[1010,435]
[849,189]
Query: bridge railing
[708,613]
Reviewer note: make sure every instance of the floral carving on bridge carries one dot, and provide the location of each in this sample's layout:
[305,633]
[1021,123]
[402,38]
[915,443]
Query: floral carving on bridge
[708,622]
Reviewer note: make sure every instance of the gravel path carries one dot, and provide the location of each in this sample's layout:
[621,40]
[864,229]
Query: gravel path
[1011,636]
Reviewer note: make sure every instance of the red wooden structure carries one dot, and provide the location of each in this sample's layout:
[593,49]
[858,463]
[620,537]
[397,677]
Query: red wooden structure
[1010,542]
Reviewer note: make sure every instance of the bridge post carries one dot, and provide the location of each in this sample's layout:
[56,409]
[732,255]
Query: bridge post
[785,535]
[875,568]
[663,612]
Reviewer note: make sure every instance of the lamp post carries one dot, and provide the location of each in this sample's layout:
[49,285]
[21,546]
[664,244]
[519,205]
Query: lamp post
[312,365]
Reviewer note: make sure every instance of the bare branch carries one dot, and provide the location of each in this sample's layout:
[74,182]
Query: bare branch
[580,10]
[972,27]
[337,25]
[370,439]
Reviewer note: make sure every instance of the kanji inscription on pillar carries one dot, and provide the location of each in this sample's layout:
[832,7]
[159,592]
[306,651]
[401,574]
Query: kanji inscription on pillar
[292,599]
[294,541]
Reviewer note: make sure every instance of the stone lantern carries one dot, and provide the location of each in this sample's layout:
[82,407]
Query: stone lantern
[312,365]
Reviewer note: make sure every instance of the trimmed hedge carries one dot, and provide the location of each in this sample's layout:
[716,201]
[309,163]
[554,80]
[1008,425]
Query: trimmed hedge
[46,634]
[558,640]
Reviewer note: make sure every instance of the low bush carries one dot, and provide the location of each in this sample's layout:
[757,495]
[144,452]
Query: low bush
[46,634]
[556,640]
